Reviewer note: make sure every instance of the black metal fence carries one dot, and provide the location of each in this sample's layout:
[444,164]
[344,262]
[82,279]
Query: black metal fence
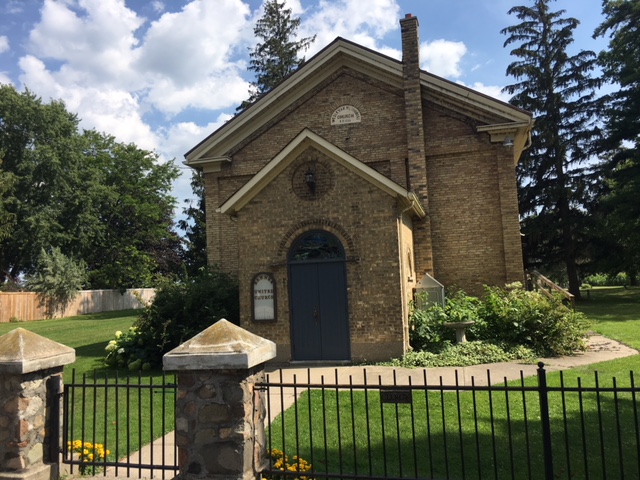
[533,428]
[120,426]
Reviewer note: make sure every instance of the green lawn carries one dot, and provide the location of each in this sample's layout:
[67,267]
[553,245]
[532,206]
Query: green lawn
[487,434]
[615,312]
[125,419]
[325,429]
[88,334]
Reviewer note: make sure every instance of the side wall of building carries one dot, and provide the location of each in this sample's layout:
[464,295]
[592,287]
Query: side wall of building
[472,205]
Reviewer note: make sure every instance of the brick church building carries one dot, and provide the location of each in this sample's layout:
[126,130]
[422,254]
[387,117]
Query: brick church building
[332,196]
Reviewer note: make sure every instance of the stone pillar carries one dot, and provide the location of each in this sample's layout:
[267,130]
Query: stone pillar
[219,413]
[30,380]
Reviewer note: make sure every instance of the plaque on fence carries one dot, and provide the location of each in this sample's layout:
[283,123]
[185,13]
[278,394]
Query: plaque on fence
[395,396]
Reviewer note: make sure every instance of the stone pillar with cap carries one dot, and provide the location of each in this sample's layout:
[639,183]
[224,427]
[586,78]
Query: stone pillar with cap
[220,414]
[30,383]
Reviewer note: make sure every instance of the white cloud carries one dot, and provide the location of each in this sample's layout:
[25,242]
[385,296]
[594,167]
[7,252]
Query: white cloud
[443,57]
[195,41]
[157,6]
[4,43]
[362,21]
[179,138]
[187,57]
[107,109]
[4,79]
[97,41]
[491,90]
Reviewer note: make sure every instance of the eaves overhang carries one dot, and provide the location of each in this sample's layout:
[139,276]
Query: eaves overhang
[299,144]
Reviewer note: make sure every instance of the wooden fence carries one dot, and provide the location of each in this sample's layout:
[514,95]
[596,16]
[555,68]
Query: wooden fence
[25,306]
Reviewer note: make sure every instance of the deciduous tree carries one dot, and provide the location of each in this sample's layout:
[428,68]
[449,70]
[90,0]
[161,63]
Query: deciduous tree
[95,199]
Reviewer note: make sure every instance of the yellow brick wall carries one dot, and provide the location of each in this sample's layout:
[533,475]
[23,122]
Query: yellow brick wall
[472,210]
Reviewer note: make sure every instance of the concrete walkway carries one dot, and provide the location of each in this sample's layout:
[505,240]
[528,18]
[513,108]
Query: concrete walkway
[600,349]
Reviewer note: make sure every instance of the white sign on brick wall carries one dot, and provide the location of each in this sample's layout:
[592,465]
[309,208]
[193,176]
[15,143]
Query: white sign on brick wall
[345,114]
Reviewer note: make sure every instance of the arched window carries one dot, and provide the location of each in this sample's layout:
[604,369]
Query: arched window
[316,245]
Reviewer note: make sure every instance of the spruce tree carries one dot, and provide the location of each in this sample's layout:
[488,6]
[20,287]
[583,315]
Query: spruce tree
[194,227]
[620,64]
[277,54]
[559,89]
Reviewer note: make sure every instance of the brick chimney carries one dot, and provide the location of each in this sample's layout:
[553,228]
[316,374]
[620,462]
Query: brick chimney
[416,154]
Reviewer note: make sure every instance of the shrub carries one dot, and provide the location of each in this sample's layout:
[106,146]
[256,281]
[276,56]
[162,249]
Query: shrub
[178,312]
[57,280]
[601,280]
[133,349]
[510,317]
[463,355]
[427,327]
[514,316]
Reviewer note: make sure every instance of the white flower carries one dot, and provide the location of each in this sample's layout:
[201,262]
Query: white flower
[121,350]
[118,334]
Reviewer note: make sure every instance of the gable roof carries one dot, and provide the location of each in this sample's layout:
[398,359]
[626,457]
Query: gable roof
[300,143]
[500,119]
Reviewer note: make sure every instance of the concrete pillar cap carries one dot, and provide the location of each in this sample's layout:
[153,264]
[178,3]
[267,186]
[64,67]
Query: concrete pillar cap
[221,346]
[22,351]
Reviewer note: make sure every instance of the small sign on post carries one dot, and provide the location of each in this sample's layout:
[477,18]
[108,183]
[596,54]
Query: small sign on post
[396,396]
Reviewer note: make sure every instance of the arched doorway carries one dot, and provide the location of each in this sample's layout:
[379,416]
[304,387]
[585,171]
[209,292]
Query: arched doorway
[318,298]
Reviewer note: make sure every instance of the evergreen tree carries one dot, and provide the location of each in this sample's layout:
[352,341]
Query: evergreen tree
[555,188]
[276,56]
[621,143]
[195,227]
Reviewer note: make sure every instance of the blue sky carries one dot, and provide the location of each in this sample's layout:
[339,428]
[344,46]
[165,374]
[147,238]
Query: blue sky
[165,73]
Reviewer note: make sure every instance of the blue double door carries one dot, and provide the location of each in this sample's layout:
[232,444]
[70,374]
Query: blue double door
[319,312]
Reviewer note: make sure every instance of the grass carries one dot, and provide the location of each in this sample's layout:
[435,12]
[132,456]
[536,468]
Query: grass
[126,419]
[442,424]
[88,334]
[615,312]
[484,434]
[456,435]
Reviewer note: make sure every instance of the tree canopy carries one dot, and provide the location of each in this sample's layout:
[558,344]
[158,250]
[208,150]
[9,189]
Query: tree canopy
[96,200]
[277,53]
[555,187]
[620,144]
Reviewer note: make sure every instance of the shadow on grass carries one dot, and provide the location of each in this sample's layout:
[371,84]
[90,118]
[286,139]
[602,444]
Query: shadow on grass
[107,315]
[462,435]
[612,304]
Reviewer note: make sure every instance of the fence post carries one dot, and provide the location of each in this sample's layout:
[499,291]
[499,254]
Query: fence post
[30,383]
[546,421]
[219,413]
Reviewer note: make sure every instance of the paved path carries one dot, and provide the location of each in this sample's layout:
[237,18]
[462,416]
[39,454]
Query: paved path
[600,349]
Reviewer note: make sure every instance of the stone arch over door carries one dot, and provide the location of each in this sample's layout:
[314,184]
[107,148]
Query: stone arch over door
[318,298]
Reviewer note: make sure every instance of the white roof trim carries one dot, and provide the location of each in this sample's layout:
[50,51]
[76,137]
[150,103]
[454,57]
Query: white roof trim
[301,142]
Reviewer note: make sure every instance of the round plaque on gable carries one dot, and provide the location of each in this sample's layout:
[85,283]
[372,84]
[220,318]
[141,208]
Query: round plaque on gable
[312,179]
